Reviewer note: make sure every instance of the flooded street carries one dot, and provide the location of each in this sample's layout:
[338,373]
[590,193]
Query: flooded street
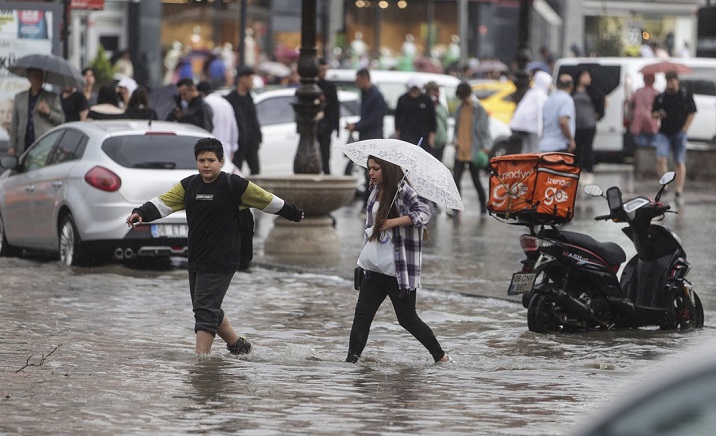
[123,342]
[125,361]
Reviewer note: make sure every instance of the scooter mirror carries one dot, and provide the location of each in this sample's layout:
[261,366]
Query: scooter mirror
[593,190]
[667,178]
[614,199]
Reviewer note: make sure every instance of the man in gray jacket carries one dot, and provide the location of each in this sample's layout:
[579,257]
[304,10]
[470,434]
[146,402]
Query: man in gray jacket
[35,112]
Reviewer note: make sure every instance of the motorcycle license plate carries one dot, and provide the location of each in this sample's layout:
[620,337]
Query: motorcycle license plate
[521,283]
[169,230]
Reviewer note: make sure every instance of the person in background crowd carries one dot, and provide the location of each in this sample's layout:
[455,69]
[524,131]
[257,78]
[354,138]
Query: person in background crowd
[35,112]
[432,89]
[589,109]
[472,134]
[329,123]
[191,108]
[526,121]
[558,118]
[74,105]
[372,111]
[223,119]
[107,107]
[211,200]
[88,90]
[138,106]
[250,136]
[415,117]
[125,89]
[123,65]
[642,124]
[675,107]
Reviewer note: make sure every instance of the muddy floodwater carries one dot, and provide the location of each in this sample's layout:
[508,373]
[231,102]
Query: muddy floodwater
[123,360]
[118,342]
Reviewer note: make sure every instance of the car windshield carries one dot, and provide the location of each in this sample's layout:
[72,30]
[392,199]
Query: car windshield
[152,151]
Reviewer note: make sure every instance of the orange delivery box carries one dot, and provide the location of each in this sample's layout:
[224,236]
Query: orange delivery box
[539,188]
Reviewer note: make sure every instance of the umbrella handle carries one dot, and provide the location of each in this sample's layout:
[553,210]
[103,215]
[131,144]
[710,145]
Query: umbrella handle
[400,186]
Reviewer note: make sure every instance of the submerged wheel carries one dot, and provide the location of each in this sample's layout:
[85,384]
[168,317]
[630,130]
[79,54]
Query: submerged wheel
[683,315]
[7,250]
[540,314]
[72,251]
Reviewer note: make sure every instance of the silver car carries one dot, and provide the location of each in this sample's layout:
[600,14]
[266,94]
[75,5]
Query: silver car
[70,193]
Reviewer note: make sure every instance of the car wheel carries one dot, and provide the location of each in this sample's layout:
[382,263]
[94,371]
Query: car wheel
[7,250]
[72,251]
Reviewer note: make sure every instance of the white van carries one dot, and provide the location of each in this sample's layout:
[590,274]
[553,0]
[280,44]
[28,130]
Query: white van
[618,78]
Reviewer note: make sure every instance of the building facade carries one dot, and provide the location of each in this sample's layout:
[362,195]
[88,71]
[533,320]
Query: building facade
[381,29]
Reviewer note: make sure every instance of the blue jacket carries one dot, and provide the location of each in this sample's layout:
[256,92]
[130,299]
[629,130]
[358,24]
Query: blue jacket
[372,111]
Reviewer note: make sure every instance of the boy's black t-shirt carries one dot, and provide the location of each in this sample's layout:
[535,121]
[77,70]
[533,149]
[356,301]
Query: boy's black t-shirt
[677,107]
[212,215]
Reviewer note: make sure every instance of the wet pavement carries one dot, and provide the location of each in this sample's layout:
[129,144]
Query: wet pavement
[470,254]
[123,340]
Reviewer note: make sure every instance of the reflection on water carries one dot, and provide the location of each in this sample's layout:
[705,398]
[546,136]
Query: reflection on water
[126,364]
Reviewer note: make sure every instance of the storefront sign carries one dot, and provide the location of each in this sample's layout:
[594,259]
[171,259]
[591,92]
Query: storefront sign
[87,4]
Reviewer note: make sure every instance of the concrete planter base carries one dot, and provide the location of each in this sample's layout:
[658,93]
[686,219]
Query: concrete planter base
[317,195]
[314,236]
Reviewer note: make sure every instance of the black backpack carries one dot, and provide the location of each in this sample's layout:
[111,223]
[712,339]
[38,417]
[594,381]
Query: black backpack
[246,229]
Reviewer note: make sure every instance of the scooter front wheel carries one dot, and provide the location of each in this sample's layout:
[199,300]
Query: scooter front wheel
[541,314]
[684,315]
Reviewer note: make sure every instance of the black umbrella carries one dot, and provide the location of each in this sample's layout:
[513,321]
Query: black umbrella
[57,70]
[163,100]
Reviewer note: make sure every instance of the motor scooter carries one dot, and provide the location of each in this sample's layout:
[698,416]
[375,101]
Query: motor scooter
[569,280]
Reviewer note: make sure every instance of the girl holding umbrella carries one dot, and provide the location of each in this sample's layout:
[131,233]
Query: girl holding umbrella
[396,219]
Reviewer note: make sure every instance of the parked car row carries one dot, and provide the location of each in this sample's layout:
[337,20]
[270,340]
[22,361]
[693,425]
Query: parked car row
[69,194]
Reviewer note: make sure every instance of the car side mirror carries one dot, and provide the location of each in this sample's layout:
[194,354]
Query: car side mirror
[9,162]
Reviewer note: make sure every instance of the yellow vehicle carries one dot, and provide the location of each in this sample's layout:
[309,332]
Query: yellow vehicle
[496,97]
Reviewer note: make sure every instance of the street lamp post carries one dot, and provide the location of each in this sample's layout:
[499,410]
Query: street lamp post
[308,95]
[314,239]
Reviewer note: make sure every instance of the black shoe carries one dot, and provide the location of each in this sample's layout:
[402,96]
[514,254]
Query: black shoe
[352,358]
[242,346]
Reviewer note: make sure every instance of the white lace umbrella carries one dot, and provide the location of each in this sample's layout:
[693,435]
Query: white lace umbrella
[427,175]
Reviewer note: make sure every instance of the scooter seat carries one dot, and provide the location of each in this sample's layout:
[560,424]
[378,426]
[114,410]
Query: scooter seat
[611,252]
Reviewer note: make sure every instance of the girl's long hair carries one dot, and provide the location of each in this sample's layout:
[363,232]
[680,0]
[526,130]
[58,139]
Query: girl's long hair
[392,174]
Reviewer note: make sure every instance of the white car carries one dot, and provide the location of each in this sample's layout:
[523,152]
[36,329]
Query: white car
[71,191]
[280,135]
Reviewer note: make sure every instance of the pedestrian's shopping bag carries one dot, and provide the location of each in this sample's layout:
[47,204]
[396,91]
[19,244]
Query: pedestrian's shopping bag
[538,188]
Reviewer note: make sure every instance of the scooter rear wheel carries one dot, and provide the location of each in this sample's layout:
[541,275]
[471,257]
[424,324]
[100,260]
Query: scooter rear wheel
[540,317]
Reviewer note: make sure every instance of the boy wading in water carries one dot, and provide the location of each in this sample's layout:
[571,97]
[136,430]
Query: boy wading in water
[212,214]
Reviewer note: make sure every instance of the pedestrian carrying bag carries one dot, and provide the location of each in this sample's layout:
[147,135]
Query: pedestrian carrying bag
[379,255]
[357,278]
[540,187]
[246,229]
